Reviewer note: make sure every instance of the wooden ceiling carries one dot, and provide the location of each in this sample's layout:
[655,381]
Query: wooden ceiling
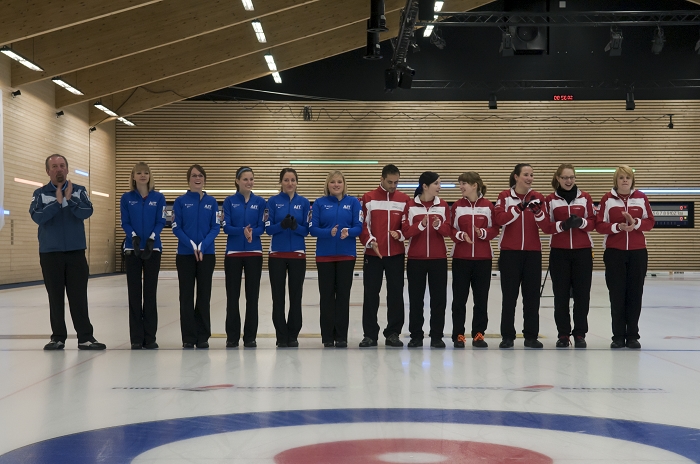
[134,55]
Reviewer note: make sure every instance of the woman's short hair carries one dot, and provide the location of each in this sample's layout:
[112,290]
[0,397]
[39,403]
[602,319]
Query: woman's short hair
[560,169]
[624,169]
[330,177]
[140,166]
[198,168]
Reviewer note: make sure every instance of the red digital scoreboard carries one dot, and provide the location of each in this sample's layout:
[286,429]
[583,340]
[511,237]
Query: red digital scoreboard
[563,97]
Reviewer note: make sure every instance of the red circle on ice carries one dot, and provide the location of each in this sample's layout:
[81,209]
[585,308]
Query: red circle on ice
[414,450]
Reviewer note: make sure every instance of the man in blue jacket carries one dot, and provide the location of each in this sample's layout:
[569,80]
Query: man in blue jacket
[59,208]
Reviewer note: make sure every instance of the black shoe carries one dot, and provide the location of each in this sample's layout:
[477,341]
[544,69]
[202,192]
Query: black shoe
[91,345]
[579,342]
[563,342]
[478,341]
[459,343]
[393,340]
[437,343]
[617,344]
[282,345]
[634,344]
[341,344]
[415,343]
[506,343]
[54,345]
[533,343]
[328,344]
[151,346]
[136,346]
[203,345]
[367,342]
[231,344]
[250,344]
[293,344]
[188,346]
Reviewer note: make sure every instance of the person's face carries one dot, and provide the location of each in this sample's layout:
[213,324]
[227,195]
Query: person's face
[336,186]
[624,183]
[467,189]
[567,179]
[525,179]
[390,182]
[433,189]
[289,183]
[142,177]
[58,170]
[246,182]
[197,180]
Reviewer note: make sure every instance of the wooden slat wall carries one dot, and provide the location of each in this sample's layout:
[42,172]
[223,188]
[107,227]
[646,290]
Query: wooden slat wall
[31,133]
[447,137]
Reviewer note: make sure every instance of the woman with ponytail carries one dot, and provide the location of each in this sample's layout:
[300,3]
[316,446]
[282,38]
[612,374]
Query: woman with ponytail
[473,226]
[425,223]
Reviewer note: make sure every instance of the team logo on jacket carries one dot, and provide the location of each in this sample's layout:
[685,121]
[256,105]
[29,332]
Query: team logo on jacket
[297,206]
[207,206]
[152,203]
[253,206]
[328,206]
[132,202]
[347,207]
[164,212]
[235,205]
[362,216]
[189,205]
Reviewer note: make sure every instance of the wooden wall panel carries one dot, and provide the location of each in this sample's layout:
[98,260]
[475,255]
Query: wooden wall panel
[447,137]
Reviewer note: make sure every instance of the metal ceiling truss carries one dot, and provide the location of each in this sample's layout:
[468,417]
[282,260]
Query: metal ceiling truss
[554,84]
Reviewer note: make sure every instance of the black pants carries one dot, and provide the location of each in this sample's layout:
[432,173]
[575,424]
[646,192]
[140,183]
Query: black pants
[624,276]
[143,309]
[373,270]
[66,273]
[435,270]
[334,284]
[520,269]
[195,322]
[477,273]
[571,271]
[234,267]
[287,329]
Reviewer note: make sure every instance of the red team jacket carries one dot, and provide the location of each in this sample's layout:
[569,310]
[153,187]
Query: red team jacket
[558,210]
[610,214]
[467,216]
[382,213]
[520,228]
[426,242]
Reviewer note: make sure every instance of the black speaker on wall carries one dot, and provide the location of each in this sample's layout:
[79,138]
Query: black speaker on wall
[528,40]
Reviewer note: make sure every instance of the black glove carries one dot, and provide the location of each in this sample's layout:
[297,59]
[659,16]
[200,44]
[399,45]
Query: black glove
[522,205]
[286,222]
[535,206]
[136,242]
[573,222]
[149,249]
[293,223]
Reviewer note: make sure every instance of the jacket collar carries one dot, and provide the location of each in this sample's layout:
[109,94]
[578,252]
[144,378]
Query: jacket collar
[436,200]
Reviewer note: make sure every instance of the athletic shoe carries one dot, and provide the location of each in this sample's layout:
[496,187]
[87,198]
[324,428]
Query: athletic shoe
[341,344]
[188,346]
[437,343]
[533,343]
[328,344]
[368,342]
[393,340]
[250,344]
[293,344]
[634,344]
[563,342]
[579,342]
[282,345]
[617,344]
[506,343]
[136,346]
[203,345]
[54,345]
[415,343]
[151,346]
[459,343]
[231,344]
[91,345]
[479,342]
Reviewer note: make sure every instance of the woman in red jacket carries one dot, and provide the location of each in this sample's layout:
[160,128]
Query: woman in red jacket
[624,215]
[473,226]
[425,222]
[570,219]
[518,212]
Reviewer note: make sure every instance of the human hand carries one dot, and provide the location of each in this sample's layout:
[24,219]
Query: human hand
[286,222]
[394,234]
[69,190]
[424,222]
[293,224]
[248,232]
[334,230]
[344,233]
[436,222]
[535,206]
[375,248]
[628,218]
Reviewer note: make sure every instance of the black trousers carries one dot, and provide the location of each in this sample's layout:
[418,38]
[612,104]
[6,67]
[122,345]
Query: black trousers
[571,271]
[334,284]
[143,309]
[195,321]
[520,269]
[624,275]
[477,274]
[66,273]
[373,271]
[234,267]
[435,270]
[287,329]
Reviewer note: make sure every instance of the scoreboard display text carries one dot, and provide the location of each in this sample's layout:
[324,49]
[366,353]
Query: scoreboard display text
[673,214]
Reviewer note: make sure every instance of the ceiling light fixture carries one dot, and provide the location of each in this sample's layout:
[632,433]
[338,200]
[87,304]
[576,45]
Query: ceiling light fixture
[373,51]
[658,41]
[248,5]
[126,121]
[629,102]
[17,57]
[428,30]
[257,27]
[101,107]
[615,44]
[438,6]
[276,76]
[270,62]
[377,19]
[61,83]
[16,93]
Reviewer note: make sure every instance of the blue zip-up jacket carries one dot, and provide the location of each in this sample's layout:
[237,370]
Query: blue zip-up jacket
[145,216]
[287,240]
[328,212]
[61,226]
[237,216]
[196,220]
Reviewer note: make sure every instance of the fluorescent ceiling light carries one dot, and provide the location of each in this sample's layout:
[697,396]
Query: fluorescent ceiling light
[276,76]
[270,62]
[438,5]
[6,212]
[126,121]
[28,182]
[333,162]
[671,191]
[17,57]
[248,5]
[257,27]
[82,173]
[428,30]
[60,82]
[100,194]
[100,106]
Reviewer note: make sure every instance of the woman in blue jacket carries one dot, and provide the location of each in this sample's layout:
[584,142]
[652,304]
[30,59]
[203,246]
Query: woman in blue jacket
[288,224]
[196,225]
[336,221]
[244,223]
[143,219]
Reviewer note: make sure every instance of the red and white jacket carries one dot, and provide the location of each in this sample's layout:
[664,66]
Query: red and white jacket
[382,212]
[466,217]
[519,228]
[610,215]
[426,242]
[558,211]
